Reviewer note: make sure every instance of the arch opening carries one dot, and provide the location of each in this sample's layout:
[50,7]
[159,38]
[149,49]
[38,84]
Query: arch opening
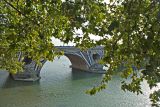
[96,57]
[76,62]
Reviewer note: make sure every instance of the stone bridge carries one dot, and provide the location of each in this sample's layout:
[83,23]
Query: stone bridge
[83,60]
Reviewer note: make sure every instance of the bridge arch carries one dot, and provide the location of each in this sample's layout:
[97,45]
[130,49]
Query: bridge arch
[84,60]
[77,61]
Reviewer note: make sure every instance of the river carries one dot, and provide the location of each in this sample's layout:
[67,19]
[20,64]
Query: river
[59,86]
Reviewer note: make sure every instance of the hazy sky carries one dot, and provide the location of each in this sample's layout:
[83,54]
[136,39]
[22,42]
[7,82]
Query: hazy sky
[57,42]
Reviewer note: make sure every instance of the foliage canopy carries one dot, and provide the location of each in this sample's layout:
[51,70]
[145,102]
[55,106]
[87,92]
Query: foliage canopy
[129,30]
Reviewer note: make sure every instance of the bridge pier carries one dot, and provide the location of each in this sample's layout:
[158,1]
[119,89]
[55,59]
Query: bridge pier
[82,60]
[31,72]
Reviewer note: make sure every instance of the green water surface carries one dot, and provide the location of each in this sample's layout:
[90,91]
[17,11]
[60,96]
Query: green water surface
[61,87]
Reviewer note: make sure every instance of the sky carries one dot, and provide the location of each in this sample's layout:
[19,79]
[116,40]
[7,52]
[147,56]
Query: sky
[57,42]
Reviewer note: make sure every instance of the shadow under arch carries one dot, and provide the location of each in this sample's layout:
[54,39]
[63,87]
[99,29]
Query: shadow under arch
[96,57]
[77,62]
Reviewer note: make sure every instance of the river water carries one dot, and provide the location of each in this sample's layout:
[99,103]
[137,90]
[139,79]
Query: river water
[61,87]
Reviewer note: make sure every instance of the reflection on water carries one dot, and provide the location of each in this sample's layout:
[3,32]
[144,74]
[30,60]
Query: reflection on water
[61,87]
[78,74]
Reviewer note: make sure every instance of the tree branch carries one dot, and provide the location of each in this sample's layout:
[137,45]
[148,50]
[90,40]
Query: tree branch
[15,8]
[20,12]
